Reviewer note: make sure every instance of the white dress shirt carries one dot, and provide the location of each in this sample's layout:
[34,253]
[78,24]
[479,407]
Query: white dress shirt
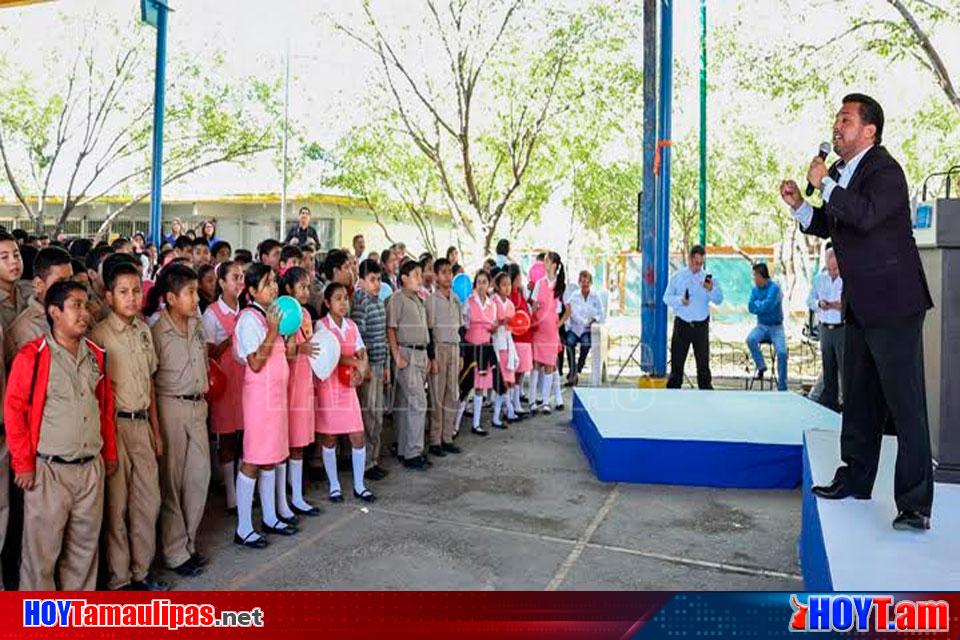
[699,308]
[829,290]
[804,213]
[583,311]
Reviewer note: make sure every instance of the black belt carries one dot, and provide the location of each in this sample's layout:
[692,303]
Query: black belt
[694,322]
[133,415]
[60,460]
[831,326]
[415,347]
[197,397]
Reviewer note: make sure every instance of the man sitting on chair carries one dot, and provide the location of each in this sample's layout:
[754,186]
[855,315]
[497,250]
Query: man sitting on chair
[766,302]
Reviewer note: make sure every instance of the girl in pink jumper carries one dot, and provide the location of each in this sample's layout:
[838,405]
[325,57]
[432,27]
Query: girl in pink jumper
[547,305]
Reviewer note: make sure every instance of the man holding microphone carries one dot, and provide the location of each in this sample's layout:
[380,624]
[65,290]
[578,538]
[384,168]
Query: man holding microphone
[866,213]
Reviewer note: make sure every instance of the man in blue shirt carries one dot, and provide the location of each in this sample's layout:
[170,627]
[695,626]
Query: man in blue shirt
[766,301]
[689,293]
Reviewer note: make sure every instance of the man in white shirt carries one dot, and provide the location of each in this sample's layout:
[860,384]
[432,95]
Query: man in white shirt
[585,309]
[825,300]
[689,293]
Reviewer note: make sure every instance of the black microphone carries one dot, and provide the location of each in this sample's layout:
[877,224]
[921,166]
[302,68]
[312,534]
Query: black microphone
[824,152]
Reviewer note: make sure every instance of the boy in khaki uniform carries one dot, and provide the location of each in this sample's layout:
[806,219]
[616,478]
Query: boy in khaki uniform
[61,433]
[444,318]
[409,338]
[180,382]
[52,265]
[133,493]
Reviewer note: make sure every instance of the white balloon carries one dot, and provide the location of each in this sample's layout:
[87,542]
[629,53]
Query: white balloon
[328,356]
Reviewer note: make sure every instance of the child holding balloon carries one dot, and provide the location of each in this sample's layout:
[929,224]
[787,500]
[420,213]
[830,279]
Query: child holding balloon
[522,339]
[547,299]
[226,414]
[265,435]
[338,408]
[295,282]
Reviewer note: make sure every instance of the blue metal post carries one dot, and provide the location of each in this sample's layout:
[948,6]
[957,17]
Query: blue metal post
[662,265]
[648,213]
[156,181]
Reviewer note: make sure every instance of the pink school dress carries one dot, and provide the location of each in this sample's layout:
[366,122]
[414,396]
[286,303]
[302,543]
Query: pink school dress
[503,341]
[265,436]
[546,336]
[338,407]
[483,319]
[226,414]
[300,396]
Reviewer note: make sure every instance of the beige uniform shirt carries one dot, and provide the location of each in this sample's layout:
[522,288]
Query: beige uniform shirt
[181,359]
[407,314]
[31,323]
[71,414]
[131,360]
[9,310]
[444,317]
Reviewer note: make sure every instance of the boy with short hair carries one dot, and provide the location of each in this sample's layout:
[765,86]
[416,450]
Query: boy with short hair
[220,251]
[60,426]
[200,253]
[409,337]
[290,256]
[268,253]
[444,319]
[51,266]
[183,247]
[133,493]
[369,314]
[14,292]
[180,382]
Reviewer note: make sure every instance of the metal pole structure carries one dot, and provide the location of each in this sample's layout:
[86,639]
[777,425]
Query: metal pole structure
[159,90]
[648,198]
[703,123]
[286,109]
[661,270]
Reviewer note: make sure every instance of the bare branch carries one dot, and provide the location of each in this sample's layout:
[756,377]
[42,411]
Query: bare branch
[939,69]
[14,184]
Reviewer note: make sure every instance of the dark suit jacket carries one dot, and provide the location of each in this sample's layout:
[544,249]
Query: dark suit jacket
[872,233]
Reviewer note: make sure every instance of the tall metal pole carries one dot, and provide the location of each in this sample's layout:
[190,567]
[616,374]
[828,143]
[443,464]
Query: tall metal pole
[286,110]
[703,122]
[663,187]
[648,200]
[159,90]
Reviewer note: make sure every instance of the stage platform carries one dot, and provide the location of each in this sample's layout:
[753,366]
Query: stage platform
[850,545]
[745,439]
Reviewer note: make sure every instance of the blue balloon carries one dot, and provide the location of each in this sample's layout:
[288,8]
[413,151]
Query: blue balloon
[462,286]
[291,315]
[385,291]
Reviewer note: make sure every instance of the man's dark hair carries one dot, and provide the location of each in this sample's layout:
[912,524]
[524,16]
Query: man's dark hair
[503,247]
[265,247]
[336,259]
[302,209]
[369,266]
[111,276]
[57,294]
[47,258]
[290,251]
[354,241]
[439,264]
[762,269]
[20,235]
[870,112]
[183,242]
[407,268]
[698,250]
[218,245]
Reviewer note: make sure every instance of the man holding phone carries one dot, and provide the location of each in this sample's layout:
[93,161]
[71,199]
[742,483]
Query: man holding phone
[689,293]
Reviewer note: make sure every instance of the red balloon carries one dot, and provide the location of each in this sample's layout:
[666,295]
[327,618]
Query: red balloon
[519,323]
[216,378]
[344,372]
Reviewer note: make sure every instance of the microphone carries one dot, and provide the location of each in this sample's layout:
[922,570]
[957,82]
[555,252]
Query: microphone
[824,152]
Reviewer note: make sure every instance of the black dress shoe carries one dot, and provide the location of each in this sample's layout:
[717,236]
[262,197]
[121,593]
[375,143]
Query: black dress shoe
[312,512]
[151,584]
[502,425]
[366,495]
[253,540]
[838,490]
[199,559]
[437,450]
[188,569]
[911,521]
[280,531]
[414,463]
[449,447]
[292,520]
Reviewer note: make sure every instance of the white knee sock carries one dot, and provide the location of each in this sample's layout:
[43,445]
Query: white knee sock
[268,496]
[557,389]
[534,379]
[283,509]
[460,411]
[359,462]
[245,489]
[330,466]
[508,404]
[296,481]
[517,404]
[497,406]
[229,484]
[545,387]
[477,408]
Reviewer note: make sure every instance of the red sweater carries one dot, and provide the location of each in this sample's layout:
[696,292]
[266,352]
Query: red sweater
[27,394]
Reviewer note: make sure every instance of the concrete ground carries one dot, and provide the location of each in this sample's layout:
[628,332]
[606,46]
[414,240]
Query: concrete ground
[520,509]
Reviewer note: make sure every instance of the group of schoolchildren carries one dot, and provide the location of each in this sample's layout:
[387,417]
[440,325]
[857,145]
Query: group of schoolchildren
[108,414]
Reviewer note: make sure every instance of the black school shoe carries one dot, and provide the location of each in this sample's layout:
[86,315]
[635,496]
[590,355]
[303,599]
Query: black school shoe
[278,531]
[449,447]
[188,569]
[375,473]
[437,450]
[253,540]
[366,495]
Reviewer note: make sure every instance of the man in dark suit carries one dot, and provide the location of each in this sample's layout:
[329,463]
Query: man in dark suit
[866,213]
